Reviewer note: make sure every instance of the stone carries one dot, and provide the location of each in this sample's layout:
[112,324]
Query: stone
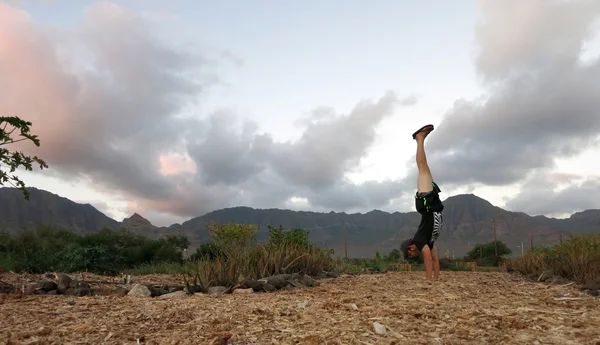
[74,284]
[7,288]
[296,283]
[269,288]
[217,290]
[64,281]
[175,294]
[309,281]
[100,291]
[29,289]
[558,280]
[278,281]
[379,328]
[46,285]
[52,293]
[79,292]
[120,291]
[253,284]
[546,275]
[331,274]
[139,290]
[591,285]
[243,291]
[194,289]
[175,288]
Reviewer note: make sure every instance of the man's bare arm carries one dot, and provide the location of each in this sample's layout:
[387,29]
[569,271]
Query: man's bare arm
[428,262]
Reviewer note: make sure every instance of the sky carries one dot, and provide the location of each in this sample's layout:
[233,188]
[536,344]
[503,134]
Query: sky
[176,109]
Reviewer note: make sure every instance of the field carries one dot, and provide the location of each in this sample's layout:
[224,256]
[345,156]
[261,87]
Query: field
[461,308]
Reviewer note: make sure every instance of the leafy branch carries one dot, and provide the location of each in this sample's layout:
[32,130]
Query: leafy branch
[11,161]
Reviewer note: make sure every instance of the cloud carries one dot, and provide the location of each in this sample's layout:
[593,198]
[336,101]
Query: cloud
[111,103]
[541,103]
[550,193]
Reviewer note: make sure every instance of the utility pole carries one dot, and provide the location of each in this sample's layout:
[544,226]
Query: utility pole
[345,244]
[531,240]
[560,233]
[522,249]
[495,238]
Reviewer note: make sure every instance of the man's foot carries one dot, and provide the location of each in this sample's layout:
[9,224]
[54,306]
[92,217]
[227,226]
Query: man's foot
[422,132]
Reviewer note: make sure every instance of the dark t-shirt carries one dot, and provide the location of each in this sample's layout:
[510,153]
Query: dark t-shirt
[429,230]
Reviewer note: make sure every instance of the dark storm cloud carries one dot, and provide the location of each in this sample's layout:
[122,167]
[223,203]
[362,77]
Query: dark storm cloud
[542,103]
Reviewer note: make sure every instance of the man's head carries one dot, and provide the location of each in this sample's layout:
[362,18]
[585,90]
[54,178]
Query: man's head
[409,249]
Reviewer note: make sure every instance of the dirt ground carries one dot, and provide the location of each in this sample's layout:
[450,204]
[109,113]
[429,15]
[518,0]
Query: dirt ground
[462,308]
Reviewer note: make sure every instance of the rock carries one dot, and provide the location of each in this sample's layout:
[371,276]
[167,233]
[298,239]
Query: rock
[46,285]
[193,289]
[321,275]
[331,274]
[6,288]
[52,293]
[591,285]
[309,281]
[158,290]
[176,294]
[546,275]
[244,291]
[295,276]
[29,289]
[594,292]
[100,291]
[139,290]
[379,328]
[175,288]
[217,290]
[64,281]
[74,284]
[253,284]
[79,292]
[296,283]
[120,291]
[558,280]
[269,288]
[305,304]
[278,281]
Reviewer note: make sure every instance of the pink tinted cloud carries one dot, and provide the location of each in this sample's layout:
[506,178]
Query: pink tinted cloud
[176,163]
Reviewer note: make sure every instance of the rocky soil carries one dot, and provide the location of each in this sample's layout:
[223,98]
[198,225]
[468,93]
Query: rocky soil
[388,308]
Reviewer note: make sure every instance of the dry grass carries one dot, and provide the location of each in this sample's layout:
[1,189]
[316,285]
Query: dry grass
[577,259]
[462,308]
[258,262]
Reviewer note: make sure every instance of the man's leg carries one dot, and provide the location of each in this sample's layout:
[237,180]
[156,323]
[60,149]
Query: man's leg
[436,262]
[424,181]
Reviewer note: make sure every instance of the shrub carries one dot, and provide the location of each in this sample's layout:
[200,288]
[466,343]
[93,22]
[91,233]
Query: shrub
[103,252]
[577,259]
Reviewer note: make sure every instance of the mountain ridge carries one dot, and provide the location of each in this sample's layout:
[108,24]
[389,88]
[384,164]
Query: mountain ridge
[467,220]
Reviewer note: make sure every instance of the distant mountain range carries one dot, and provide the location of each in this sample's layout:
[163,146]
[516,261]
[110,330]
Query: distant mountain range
[467,221]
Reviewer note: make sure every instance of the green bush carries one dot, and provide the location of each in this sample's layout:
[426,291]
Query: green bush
[103,252]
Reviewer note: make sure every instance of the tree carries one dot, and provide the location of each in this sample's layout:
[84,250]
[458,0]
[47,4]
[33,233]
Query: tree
[487,253]
[11,161]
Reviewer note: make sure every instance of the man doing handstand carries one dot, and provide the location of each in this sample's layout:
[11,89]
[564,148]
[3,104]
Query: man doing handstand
[429,205]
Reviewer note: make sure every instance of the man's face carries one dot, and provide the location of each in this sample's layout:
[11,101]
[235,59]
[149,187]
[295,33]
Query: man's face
[413,252]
